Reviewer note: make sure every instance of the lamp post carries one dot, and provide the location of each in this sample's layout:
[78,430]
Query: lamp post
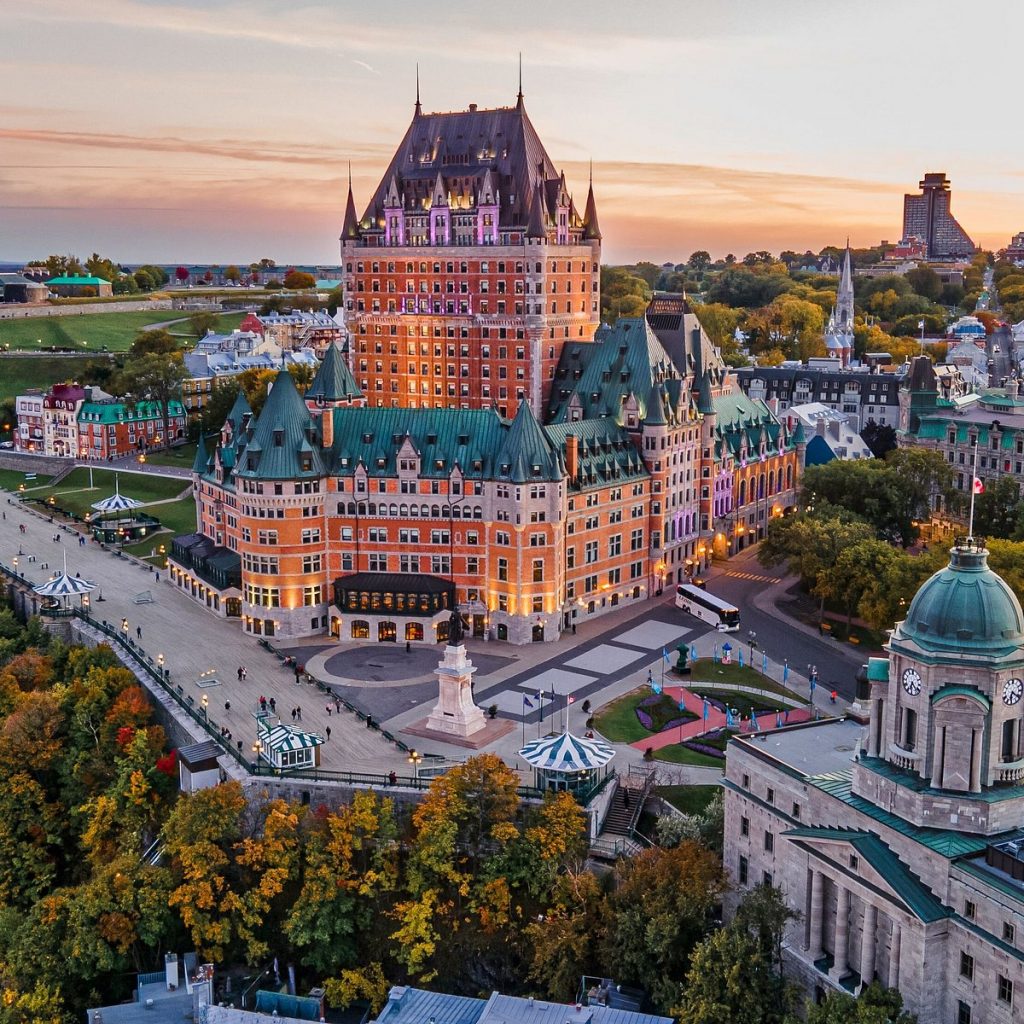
[414,758]
[86,603]
[15,565]
[124,629]
[160,665]
[205,702]
[257,750]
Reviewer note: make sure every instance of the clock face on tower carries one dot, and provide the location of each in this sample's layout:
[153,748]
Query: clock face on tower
[911,679]
[1013,689]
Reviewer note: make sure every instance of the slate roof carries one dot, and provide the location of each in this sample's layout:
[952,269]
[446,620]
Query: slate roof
[462,147]
[780,382]
[596,378]
[742,424]
[333,381]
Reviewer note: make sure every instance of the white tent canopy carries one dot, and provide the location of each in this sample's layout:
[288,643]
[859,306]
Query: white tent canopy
[567,753]
[117,502]
[62,584]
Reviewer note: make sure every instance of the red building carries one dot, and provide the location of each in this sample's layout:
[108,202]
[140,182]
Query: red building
[111,430]
[470,268]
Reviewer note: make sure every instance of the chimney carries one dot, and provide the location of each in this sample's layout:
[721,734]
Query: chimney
[327,427]
[572,456]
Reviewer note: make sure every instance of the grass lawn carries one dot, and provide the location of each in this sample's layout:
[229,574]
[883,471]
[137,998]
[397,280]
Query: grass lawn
[705,670]
[676,754]
[90,332]
[74,495]
[740,701]
[18,373]
[12,479]
[617,721]
[688,799]
[181,457]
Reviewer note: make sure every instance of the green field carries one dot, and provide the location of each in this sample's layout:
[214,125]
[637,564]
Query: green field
[11,480]
[706,670]
[181,456]
[677,754]
[19,373]
[739,701]
[74,495]
[688,799]
[617,721]
[92,332]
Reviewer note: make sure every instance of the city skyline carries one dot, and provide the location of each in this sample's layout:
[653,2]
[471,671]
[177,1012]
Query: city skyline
[165,131]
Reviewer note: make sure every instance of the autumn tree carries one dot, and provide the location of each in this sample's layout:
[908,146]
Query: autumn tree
[349,865]
[718,320]
[202,323]
[298,280]
[155,378]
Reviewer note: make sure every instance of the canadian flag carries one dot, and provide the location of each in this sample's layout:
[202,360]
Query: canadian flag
[979,485]
[570,699]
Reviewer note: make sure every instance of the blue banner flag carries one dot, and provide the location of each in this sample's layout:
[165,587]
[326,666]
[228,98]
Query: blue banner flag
[656,687]
[754,727]
[682,704]
[778,719]
[527,702]
[707,708]
[714,654]
[741,657]
[785,672]
[764,664]
[665,655]
[693,652]
[730,722]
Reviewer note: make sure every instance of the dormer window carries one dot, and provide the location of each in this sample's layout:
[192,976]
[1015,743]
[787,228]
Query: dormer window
[278,438]
[367,438]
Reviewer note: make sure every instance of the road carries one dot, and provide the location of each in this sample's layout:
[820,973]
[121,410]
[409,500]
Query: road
[1000,344]
[740,580]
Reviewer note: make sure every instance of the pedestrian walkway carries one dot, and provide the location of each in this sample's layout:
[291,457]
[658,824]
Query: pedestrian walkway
[751,576]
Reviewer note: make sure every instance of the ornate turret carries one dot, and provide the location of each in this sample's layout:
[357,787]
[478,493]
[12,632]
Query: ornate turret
[591,228]
[350,228]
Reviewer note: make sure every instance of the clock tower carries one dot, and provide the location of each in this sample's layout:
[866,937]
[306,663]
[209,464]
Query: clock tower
[945,745]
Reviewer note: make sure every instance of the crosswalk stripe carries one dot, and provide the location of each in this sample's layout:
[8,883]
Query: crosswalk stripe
[753,576]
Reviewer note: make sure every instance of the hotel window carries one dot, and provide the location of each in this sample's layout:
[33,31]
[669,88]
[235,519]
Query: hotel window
[503,569]
[311,535]
[538,570]
[963,1013]
[378,563]
[313,595]
[769,842]
[969,910]
[312,563]
[1008,932]
[267,536]
[744,826]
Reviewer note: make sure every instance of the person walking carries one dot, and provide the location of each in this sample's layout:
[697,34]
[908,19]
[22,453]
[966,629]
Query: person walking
[832,696]
[239,673]
[273,705]
[328,731]
[298,713]
[138,632]
[293,714]
[245,674]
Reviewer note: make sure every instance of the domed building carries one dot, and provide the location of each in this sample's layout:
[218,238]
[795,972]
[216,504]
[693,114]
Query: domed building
[901,843]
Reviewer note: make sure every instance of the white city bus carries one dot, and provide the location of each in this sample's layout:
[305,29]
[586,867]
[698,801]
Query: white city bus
[723,616]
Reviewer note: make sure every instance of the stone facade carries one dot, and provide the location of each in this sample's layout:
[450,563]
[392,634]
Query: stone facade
[901,845]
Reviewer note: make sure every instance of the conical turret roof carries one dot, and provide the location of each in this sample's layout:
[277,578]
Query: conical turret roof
[280,447]
[591,228]
[333,381]
[527,451]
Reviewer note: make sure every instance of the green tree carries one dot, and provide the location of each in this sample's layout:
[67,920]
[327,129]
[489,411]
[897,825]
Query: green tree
[810,544]
[720,321]
[924,281]
[218,404]
[874,1005]
[201,323]
[659,910]
[623,294]
[349,863]
[700,260]
[157,342]
[232,273]
[997,509]
[156,378]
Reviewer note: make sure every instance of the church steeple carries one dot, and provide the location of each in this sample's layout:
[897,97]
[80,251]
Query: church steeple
[844,298]
[418,109]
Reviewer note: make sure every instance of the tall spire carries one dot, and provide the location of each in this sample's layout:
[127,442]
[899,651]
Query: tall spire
[350,228]
[844,296]
[418,109]
[519,95]
[591,229]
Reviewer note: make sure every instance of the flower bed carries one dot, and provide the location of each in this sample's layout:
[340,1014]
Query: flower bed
[659,712]
[711,744]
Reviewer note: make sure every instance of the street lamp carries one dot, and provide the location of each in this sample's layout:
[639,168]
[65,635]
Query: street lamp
[160,664]
[257,750]
[206,704]
[124,628]
[15,564]
[414,759]
[85,603]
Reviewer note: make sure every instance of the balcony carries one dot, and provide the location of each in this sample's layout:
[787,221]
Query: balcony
[1009,771]
[908,760]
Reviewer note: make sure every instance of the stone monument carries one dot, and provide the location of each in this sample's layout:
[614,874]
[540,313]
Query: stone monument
[455,714]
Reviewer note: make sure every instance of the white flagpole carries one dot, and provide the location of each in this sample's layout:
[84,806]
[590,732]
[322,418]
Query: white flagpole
[974,483]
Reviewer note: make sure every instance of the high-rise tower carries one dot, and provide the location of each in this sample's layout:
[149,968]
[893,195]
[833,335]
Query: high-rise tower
[927,217]
[470,267]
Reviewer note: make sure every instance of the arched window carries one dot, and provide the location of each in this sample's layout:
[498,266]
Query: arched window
[435,511]
[360,629]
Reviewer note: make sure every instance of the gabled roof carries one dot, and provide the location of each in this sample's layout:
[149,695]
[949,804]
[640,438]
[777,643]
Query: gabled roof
[333,381]
[605,452]
[280,445]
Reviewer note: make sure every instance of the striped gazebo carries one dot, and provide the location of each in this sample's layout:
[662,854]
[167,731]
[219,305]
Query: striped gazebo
[62,585]
[567,761]
[284,746]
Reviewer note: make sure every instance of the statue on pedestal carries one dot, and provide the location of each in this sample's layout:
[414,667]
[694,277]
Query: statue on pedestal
[456,631]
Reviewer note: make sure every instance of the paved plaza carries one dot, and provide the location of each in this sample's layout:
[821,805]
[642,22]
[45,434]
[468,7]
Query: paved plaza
[530,685]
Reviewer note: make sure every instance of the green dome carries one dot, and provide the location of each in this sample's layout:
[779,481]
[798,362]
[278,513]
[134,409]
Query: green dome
[965,608]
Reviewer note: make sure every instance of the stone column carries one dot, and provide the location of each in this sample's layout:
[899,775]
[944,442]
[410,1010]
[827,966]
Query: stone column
[817,903]
[938,756]
[893,981]
[841,943]
[874,727]
[867,945]
[977,736]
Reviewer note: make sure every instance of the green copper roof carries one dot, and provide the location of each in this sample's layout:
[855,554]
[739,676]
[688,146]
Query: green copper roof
[878,670]
[119,412]
[964,609]
[920,900]
[479,441]
[281,447]
[333,381]
[962,691]
[526,450]
[94,281]
[705,400]
[606,452]
[597,377]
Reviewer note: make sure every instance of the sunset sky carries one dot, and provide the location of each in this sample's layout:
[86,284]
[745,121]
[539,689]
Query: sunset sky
[222,131]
